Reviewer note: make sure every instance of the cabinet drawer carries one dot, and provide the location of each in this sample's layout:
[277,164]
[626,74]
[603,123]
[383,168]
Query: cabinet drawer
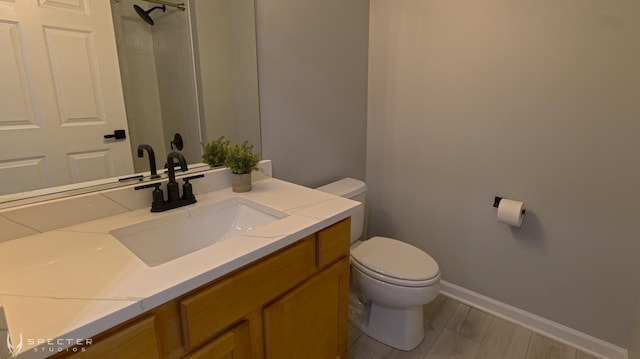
[333,242]
[136,341]
[233,344]
[211,310]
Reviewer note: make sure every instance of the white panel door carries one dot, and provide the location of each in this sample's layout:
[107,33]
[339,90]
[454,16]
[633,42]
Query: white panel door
[60,93]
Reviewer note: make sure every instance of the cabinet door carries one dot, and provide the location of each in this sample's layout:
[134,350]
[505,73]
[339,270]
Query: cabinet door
[136,341]
[311,321]
[234,344]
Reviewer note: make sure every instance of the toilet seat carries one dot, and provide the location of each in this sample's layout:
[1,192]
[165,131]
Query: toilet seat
[395,262]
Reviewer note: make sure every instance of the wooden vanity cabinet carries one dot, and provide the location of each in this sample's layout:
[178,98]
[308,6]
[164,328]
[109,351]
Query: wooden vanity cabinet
[290,304]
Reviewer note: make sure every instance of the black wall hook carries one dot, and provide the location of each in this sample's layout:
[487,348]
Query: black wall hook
[177,141]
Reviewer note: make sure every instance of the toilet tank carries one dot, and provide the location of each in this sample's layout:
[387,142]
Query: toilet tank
[353,189]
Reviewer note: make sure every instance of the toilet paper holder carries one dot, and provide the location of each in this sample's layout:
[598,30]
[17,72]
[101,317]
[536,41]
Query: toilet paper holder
[496,203]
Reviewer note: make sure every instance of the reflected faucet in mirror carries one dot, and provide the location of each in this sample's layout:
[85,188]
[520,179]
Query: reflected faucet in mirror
[152,159]
[174,200]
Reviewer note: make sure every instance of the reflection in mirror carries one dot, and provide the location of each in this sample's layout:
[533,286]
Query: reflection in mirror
[158,80]
[193,72]
[227,69]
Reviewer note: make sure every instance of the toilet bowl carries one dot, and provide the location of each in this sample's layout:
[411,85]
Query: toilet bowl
[390,280]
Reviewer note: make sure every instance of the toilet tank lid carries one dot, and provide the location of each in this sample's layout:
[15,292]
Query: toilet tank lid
[346,187]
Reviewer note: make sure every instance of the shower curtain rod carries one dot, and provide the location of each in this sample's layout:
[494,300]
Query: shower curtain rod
[179,6]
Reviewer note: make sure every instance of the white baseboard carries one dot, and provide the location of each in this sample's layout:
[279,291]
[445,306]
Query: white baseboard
[553,330]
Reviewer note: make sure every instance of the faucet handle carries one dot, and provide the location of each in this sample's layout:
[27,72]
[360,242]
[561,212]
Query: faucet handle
[158,195]
[193,177]
[187,188]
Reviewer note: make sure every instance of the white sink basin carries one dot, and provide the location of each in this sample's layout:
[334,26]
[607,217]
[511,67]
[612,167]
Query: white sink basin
[186,230]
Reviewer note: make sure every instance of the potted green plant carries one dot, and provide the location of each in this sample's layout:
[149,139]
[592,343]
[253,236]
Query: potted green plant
[241,161]
[215,152]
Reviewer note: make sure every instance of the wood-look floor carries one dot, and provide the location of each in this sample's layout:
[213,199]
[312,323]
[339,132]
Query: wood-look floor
[455,330]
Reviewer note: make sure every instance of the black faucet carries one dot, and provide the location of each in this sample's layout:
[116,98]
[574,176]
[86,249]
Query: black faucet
[173,192]
[152,159]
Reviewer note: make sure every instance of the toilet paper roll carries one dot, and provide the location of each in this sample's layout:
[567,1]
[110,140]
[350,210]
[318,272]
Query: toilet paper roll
[511,212]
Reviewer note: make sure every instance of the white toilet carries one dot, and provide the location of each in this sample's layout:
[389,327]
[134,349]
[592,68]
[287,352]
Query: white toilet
[390,280]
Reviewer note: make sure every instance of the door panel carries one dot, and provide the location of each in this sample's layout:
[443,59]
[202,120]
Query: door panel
[89,166]
[29,172]
[16,106]
[76,78]
[78,5]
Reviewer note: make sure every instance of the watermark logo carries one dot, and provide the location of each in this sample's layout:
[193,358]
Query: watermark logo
[14,351]
[47,346]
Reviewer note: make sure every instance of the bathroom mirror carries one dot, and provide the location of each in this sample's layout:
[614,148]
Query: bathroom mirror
[190,70]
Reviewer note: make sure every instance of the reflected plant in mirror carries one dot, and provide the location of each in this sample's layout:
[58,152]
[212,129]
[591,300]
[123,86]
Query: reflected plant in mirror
[194,72]
[215,152]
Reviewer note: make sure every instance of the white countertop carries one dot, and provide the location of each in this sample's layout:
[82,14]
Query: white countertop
[75,282]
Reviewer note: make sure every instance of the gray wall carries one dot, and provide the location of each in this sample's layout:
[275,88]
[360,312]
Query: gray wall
[634,338]
[312,65]
[537,101]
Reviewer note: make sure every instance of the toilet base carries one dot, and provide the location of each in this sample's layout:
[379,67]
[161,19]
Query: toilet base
[401,328]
